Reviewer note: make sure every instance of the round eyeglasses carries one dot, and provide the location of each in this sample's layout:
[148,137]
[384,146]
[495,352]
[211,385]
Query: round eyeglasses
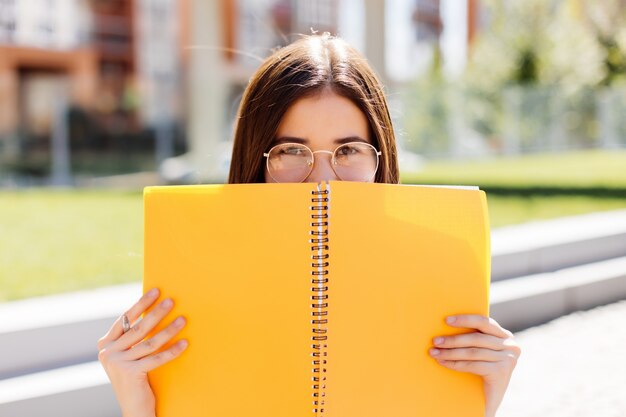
[293,162]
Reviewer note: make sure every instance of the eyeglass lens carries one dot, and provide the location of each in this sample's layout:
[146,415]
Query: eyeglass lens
[292,162]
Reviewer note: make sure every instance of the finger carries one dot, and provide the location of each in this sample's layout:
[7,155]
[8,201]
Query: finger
[133,314]
[140,329]
[473,367]
[156,342]
[473,339]
[468,354]
[483,324]
[151,362]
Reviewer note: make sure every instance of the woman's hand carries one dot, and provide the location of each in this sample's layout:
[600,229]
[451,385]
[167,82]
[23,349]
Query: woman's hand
[127,358]
[490,352]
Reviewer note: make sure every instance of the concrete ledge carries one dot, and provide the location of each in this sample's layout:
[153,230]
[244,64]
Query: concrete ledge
[547,246]
[49,332]
[76,391]
[524,302]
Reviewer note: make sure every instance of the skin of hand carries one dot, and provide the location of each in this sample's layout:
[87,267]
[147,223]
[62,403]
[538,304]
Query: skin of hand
[127,357]
[489,351]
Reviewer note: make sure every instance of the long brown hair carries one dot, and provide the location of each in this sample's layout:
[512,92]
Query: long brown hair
[302,69]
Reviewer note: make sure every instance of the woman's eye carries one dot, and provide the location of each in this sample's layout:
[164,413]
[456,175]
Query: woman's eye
[292,151]
[348,150]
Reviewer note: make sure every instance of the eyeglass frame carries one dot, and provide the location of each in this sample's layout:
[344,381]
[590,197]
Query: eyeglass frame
[332,159]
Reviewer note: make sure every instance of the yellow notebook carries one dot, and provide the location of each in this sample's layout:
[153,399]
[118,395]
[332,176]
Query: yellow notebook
[316,299]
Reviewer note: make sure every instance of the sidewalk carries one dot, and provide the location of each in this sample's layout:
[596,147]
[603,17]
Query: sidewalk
[574,366]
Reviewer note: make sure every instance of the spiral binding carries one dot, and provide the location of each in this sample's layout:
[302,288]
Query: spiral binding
[319,306]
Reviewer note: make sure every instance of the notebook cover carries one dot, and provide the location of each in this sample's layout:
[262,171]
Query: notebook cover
[423,254]
[237,261]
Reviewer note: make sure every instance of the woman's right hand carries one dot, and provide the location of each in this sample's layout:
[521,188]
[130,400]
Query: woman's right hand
[127,358]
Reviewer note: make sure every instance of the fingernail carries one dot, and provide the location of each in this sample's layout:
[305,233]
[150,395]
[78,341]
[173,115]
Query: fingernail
[434,352]
[167,303]
[179,321]
[153,292]
[450,319]
[438,340]
[183,343]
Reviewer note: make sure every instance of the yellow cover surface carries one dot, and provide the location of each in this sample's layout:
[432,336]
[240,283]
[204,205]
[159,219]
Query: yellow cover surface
[392,262]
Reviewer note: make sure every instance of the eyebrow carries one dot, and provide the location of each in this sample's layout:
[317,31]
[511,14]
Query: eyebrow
[340,141]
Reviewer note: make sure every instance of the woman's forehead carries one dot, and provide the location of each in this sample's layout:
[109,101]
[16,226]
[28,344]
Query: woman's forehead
[327,117]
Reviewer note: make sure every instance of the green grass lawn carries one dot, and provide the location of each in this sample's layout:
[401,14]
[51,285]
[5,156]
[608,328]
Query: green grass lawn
[581,169]
[507,210]
[67,240]
[56,241]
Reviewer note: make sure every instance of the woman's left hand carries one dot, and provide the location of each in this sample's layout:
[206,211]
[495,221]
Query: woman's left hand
[490,352]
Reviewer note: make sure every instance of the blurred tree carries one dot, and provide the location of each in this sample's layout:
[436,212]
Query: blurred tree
[607,20]
[575,43]
[527,71]
[426,130]
[540,57]
[533,69]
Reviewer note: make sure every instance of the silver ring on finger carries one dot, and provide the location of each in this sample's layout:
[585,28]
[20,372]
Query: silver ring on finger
[125,323]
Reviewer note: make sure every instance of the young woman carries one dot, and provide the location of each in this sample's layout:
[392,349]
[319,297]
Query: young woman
[313,111]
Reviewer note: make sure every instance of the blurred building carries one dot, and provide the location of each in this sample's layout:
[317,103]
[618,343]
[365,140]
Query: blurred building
[47,52]
[430,35]
[90,60]
[42,48]
[118,69]
[149,74]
